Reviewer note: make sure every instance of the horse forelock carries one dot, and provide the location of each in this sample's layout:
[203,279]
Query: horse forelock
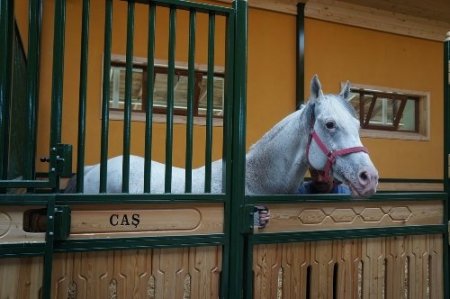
[332,99]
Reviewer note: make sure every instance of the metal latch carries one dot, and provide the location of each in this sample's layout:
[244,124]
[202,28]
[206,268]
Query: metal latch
[64,160]
[36,220]
[62,222]
[63,153]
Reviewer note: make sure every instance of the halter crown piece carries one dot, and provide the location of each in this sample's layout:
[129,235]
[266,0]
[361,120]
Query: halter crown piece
[331,155]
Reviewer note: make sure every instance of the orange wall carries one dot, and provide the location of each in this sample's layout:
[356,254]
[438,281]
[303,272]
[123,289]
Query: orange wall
[271,70]
[335,52]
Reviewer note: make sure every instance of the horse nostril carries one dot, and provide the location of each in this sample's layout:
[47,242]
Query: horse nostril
[363,176]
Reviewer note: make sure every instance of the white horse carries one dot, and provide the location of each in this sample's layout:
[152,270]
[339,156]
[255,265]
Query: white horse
[323,134]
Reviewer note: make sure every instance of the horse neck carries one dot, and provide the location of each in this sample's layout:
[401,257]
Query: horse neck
[277,163]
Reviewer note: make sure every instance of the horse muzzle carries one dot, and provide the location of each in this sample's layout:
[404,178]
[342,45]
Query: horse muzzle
[367,182]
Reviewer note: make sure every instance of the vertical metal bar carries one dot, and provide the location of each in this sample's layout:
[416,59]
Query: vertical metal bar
[82,95]
[170,99]
[227,146]
[105,96]
[446,261]
[34,37]
[228,106]
[237,213]
[300,70]
[48,255]
[57,86]
[150,88]
[209,101]
[446,110]
[127,108]
[190,102]
[6,58]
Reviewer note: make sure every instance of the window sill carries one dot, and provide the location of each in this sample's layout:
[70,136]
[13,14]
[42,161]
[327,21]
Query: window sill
[161,118]
[393,135]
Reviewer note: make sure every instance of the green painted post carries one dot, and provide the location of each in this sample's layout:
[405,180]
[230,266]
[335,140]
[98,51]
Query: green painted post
[190,102]
[150,87]
[48,254]
[227,147]
[209,102]
[55,137]
[57,87]
[105,95]
[82,96]
[300,69]
[34,38]
[170,99]
[446,160]
[237,213]
[127,108]
[6,58]
[228,105]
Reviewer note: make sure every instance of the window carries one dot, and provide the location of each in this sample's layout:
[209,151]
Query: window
[117,88]
[139,90]
[400,114]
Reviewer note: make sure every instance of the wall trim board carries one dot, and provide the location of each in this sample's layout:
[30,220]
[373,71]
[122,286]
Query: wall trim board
[360,16]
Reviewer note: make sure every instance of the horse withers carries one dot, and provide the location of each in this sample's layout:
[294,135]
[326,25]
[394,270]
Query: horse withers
[323,134]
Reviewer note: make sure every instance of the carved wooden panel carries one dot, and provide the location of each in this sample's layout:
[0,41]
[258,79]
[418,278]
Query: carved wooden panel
[147,273]
[21,277]
[11,226]
[347,215]
[393,267]
[145,220]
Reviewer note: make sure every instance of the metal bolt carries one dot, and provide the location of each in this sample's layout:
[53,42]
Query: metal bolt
[53,169]
[50,233]
[50,217]
[54,149]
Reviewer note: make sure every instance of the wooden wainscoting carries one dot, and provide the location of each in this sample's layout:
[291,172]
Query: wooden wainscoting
[21,277]
[145,273]
[388,267]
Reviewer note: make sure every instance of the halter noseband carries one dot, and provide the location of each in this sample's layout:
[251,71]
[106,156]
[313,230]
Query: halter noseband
[331,155]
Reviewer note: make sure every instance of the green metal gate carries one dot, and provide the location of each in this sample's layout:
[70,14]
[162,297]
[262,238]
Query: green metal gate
[76,245]
[50,240]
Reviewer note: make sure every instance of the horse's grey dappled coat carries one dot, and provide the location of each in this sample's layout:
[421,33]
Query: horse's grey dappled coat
[277,163]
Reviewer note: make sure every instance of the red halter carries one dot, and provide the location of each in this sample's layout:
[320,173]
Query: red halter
[331,155]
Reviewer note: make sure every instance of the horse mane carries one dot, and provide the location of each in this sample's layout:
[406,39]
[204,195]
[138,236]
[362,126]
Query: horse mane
[305,109]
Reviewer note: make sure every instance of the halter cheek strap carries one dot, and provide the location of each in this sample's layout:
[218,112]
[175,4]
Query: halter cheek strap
[331,155]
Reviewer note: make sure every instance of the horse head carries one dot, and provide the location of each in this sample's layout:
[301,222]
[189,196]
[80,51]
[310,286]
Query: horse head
[334,145]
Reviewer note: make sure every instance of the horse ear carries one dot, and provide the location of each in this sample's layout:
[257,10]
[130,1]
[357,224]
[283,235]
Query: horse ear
[345,91]
[316,88]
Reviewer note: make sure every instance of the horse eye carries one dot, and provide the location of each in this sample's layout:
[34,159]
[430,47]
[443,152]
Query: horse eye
[330,125]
